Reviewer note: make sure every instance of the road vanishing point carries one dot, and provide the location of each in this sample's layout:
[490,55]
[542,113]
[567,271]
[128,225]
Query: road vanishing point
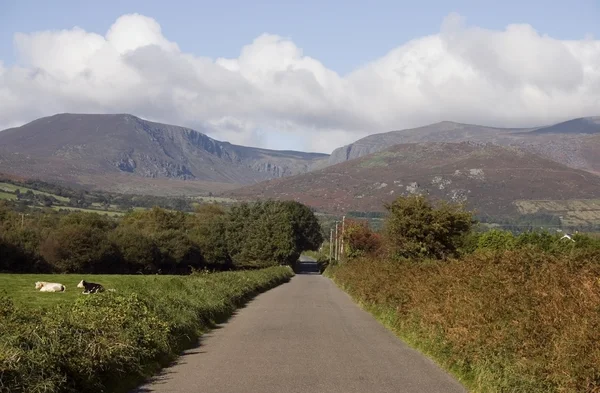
[305,336]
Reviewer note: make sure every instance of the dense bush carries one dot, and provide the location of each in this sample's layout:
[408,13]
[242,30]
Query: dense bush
[416,228]
[496,240]
[115,339]
[359,239]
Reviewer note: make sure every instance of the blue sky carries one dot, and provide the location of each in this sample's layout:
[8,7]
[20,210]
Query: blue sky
[302,75]
[341,34]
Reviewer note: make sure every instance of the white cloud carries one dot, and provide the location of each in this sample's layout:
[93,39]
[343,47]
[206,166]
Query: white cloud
[514,77]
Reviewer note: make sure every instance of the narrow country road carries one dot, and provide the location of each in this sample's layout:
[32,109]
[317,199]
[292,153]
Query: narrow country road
[306,336]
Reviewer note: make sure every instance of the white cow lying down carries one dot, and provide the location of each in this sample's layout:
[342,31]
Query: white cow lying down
[44,286]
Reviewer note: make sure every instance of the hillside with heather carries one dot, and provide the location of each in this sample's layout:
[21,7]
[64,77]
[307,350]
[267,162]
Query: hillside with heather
[486,177]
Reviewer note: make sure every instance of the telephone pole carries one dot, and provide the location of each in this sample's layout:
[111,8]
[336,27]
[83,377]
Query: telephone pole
[336,241]
[330,244]
[342,237]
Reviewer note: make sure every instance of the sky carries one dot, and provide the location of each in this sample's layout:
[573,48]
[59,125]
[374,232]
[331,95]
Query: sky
[301,75]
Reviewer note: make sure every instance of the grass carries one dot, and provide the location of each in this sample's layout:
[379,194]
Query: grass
[573,212]
[208,199]
[78,209]
[379,160]
[12,188]
[6,195]
[515,321]
[110,342]
[21,287]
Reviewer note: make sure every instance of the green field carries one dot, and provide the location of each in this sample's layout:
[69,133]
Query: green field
[209,199]
[12,188]
[21,287]
[6,195]
[78,209]
[572,212]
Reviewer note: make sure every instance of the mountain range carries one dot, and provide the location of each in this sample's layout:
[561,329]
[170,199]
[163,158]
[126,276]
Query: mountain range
[486,177]
[127,154]
[489,168]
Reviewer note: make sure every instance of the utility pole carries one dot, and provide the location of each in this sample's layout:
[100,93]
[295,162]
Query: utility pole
[330,244]
[336,241]
[342,237]
[22,220]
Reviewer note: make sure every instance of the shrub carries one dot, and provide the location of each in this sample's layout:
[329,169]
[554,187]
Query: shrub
[496,240]
[359,239]
[415,228]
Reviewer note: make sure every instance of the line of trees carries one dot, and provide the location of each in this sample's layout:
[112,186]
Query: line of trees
[157,240]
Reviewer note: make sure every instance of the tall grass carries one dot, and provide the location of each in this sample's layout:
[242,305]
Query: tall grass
[111,341]
[511,321]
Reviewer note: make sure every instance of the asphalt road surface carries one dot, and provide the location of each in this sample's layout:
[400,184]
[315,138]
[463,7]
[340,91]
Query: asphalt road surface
[303,336]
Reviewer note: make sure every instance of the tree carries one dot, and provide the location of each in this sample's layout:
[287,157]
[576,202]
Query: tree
[415,228]
[307,229]
[271,232]
[79,248]
[207,228]
[139,252]
[179,254]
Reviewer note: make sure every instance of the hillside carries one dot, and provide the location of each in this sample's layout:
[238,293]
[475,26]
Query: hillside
[127,154]
[567,142]
[487,177]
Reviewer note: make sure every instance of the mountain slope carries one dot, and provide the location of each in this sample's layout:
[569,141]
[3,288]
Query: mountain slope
[118,151]
[564,142]
[488,177]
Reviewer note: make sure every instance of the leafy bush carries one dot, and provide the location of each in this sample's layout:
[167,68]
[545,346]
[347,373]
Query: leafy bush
[415,228]
[359,239]
[496,240]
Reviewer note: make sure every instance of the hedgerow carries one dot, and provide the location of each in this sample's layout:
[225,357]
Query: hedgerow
[111,341]
[503,312]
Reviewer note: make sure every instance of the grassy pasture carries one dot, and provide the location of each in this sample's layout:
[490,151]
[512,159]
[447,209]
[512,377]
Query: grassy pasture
[7,195]
[78,209]
[572,212]
[12,188]
[21,287]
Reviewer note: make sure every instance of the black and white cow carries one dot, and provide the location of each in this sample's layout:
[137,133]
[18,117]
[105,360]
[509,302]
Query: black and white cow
[90,287]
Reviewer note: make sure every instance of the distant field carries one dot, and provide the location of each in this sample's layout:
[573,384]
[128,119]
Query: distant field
[100,206]
[21,287]
[214,199]
[108,212]
[572,212]
[6,195]
[12,188]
